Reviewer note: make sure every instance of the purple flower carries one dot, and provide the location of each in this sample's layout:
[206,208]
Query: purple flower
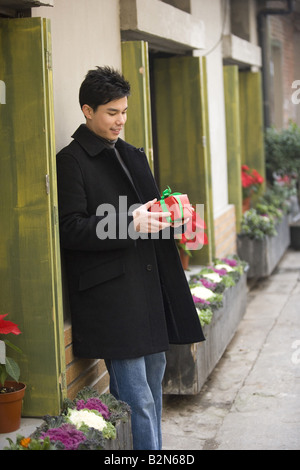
[230,262]
[94,403]
[208,284]
[67,434]
[222,272]
[197,300]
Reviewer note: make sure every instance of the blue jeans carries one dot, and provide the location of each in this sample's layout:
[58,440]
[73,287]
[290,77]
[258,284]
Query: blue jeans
[138,382]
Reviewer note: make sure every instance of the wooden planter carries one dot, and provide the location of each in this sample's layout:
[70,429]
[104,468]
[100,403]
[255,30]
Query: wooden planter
[264,255]
[123,440]
[188,366]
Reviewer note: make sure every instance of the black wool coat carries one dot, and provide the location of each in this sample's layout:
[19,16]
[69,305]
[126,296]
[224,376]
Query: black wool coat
[128,297]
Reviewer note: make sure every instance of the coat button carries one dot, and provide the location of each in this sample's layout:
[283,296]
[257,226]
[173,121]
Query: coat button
[149,267]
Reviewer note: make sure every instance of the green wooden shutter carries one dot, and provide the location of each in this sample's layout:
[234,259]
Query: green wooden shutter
[182,136]
[30,284]
[233,137]
[135,67]
[251,118]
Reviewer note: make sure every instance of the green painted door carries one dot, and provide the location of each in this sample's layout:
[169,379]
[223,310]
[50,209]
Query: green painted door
[252,122]
[135,67]
[30,282]
[233,138]
[182,136]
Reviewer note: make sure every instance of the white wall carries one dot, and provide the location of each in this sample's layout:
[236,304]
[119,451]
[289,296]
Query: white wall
[212,13]
[85,33]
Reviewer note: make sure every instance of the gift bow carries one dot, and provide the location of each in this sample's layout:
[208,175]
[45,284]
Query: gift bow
[166,193]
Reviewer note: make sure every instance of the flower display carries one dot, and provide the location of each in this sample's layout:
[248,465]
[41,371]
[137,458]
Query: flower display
[8,366]
[208,285]
[257,226]
[268,213]
[251,181]
[86,423]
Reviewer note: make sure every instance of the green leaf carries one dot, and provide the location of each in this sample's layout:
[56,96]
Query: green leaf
[12,369]
[13,346]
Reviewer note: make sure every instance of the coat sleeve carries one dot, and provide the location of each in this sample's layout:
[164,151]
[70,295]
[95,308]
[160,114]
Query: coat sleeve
[78,228]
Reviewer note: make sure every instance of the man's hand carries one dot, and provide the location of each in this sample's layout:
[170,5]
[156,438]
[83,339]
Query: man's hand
[150,222]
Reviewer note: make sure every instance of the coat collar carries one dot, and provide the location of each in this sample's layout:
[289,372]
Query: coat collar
[89,140]
[130,155]
[93,145]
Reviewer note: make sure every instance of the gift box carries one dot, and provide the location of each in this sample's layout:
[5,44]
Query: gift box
[177,204]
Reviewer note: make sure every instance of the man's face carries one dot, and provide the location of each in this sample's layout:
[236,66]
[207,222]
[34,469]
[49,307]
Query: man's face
[108,120]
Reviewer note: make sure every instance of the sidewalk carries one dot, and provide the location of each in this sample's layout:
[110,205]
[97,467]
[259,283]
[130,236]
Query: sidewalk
[251,401]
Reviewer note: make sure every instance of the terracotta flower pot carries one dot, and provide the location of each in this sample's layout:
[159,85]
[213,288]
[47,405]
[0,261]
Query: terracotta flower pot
[246,204]
[11,407]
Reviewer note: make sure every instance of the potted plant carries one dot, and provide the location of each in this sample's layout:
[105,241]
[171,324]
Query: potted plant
[11,391]
[251,183]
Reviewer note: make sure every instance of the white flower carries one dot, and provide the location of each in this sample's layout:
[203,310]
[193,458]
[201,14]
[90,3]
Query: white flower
[215,277]
[88,417]
[202,292]
[224,266]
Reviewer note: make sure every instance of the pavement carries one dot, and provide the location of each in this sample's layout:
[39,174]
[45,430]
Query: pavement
[251,401]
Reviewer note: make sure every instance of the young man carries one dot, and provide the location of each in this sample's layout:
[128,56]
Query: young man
[129,298]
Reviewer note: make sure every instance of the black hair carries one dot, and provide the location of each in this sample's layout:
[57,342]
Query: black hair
[102,85]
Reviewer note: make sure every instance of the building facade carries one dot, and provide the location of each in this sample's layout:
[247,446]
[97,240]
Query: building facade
[197,107]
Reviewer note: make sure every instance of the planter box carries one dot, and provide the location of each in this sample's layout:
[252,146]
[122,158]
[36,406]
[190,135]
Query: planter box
[123,440]
[188,366]
[295,233]
[264,255]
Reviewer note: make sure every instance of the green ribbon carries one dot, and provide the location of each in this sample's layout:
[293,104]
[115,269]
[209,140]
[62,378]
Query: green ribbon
[166,193]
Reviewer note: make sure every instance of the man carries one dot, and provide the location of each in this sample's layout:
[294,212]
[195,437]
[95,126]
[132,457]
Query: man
[128,294]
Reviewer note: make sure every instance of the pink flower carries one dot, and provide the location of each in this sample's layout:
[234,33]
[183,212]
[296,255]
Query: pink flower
[222,272]
[67,434]
[94,403]
[208,284]
[230,262]
[197,300]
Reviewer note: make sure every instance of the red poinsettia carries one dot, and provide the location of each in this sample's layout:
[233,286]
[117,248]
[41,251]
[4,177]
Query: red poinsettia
[7,326]
[8,366]
[194,236]
[251,180]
